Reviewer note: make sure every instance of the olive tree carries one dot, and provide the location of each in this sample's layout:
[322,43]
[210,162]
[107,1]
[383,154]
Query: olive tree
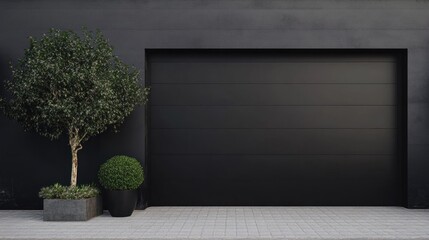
[71,84]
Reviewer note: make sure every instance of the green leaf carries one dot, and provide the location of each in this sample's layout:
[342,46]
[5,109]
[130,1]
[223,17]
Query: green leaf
[71,83]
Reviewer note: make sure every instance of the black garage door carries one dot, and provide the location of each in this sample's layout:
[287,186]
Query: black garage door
[274,128]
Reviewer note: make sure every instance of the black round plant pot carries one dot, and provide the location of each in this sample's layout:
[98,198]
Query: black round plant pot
[121,203]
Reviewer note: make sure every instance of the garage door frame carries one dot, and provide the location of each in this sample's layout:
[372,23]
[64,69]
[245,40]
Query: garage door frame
[401,90]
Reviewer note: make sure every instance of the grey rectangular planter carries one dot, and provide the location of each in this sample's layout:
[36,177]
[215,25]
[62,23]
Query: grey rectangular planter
[71,210]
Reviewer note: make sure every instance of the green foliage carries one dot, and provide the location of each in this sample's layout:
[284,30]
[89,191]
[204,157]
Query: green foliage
[72,84]
[121,173]
[58,191]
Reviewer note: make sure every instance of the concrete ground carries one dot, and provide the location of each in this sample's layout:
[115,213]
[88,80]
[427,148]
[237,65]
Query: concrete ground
[228,223]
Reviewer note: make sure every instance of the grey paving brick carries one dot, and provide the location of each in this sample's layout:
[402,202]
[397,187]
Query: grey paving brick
[228,223]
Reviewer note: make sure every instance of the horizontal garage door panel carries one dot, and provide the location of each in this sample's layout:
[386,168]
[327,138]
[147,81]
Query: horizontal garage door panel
[273,141]
[267,56]
[273,117]
[272,94]
[273,72]
[257,177]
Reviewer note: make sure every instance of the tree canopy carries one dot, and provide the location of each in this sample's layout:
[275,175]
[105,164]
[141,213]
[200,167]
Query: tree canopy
[72,84]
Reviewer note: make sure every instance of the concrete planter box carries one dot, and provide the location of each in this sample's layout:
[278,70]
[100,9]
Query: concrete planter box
[71,210]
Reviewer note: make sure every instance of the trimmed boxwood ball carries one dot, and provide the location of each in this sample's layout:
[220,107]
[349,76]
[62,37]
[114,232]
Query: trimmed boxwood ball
[121,173]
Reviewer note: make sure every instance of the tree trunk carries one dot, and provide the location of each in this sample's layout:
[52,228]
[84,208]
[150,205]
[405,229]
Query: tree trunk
[73,179]
[75,146]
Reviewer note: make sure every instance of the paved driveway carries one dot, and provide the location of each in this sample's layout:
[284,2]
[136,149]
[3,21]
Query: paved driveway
[228,223]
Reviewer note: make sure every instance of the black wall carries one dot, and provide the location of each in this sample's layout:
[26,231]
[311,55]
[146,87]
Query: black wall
[28,161]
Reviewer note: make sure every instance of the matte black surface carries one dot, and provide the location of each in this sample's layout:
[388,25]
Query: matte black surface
[273,94]
[273,141]
[254,128]
[121,203]
[274,71]
[274,180]
[218,117]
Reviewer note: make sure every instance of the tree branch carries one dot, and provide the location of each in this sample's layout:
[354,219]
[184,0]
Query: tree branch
[79,147]
[74,140]
[80,140]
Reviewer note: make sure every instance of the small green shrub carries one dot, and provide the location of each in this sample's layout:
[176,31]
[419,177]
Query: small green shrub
[58,191]
[121,173]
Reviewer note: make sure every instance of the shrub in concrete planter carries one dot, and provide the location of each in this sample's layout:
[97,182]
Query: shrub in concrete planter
[70,203]
[121,176]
